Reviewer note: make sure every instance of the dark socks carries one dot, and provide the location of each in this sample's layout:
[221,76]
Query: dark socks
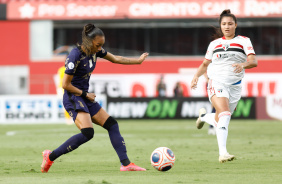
[125,162]
[68,146]
[118,144]
[78,139]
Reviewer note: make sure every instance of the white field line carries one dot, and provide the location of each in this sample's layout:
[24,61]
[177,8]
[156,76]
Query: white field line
[58,131]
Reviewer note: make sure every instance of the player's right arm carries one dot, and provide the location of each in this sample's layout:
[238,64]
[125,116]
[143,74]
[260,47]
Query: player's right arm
[204,66]
[69,87]
[201,70]
[74,90]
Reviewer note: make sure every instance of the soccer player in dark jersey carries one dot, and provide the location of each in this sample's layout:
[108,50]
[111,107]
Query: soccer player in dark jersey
[81,105]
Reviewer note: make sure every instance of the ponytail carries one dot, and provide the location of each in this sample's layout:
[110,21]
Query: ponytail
[88,35]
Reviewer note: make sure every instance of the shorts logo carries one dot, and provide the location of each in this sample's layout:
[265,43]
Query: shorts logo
[81,104]
[219,90]
[211,90]
[70,113]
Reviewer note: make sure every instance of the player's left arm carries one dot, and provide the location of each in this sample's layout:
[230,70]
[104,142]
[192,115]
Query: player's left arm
[250,63]
[125,60]
[251,57]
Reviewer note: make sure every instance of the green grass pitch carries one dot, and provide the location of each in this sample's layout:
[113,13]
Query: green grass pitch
[257,146]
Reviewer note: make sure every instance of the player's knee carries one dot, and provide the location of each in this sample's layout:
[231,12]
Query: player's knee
[88,132]
[109,123]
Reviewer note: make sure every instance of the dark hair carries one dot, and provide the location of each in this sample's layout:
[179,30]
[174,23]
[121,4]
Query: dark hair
[225,13]
[88,35]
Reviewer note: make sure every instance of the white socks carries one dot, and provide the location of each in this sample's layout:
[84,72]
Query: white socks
[222,131]
[209,118]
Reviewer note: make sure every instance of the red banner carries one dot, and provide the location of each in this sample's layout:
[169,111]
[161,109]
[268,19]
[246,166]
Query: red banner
[56,10]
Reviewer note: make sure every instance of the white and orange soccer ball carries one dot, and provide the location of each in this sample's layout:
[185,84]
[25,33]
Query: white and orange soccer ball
[162,159]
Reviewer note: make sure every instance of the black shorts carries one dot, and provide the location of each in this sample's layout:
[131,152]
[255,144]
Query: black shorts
[73,104]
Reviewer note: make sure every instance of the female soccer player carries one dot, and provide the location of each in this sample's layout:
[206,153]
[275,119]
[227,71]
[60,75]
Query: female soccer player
[81,105]
[225,61]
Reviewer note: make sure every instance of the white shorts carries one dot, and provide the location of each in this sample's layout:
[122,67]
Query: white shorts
[232,92]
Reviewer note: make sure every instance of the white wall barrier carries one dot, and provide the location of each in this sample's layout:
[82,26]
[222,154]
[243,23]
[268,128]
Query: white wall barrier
[274,106]
[43,109]
[144,85]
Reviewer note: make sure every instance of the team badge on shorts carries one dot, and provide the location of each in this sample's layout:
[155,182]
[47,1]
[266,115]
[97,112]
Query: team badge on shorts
[70,113]
[81,104]
[219,90]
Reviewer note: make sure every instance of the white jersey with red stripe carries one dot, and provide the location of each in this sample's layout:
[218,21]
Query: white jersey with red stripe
[223,53]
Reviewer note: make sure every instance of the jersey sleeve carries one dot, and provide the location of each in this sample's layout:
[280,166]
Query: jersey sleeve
[209,52]
[72,62]
[101,53]
[248,47]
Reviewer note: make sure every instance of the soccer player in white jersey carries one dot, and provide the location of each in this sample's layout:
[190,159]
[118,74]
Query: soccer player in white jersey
[226,59]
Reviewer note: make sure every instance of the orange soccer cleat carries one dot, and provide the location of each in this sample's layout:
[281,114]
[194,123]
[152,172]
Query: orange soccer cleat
[131,167]
[46,163]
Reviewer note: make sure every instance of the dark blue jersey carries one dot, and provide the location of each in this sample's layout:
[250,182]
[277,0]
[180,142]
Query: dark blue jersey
[81,66]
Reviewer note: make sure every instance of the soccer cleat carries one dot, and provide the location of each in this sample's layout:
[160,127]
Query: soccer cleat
[200,123]
[226,157]
[46,163]
[131,167]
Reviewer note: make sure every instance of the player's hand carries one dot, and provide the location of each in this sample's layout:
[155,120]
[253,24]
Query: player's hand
[194,82]
[143,57]
[238,67]
[91,97]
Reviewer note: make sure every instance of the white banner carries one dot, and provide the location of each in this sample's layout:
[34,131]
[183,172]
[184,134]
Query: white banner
[31,109]
[145,85]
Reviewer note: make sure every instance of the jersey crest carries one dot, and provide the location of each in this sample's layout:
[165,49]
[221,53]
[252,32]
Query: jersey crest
[225,46]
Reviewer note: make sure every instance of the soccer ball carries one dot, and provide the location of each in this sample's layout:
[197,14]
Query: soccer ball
[162,159]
